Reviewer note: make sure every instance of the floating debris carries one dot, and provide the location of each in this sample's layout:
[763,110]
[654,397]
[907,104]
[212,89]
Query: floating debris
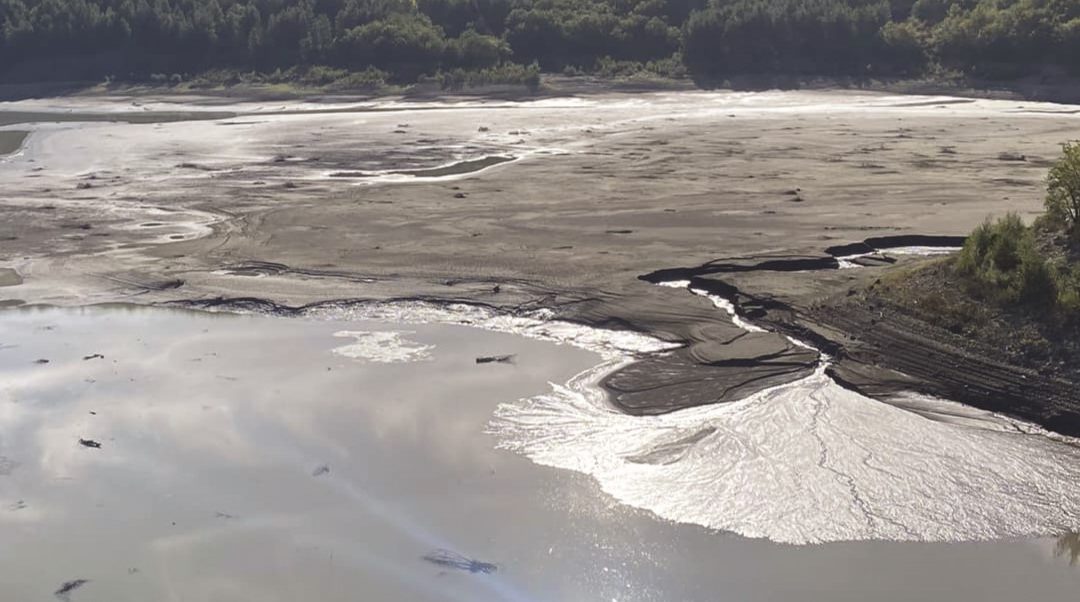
[96,356]
[321,470]
[89,443]
[496,359]
[1011,156]
[453,560]
[64,593]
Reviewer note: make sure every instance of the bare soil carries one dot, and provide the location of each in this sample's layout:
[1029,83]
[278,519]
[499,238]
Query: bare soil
[922,321]
[608,188]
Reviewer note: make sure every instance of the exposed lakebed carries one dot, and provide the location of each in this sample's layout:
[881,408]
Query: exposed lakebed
[249,457]
[364,450]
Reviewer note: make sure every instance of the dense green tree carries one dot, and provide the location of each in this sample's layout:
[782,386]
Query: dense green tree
[1063,189]
[787,36]
[399,43]
[714,38]
[472,50]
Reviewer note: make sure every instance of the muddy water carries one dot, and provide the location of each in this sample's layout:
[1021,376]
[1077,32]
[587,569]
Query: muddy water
[253,458]
[11,141]
[9,117]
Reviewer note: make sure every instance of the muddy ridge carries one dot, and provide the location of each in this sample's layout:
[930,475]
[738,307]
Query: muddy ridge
[885,352]
[879,351]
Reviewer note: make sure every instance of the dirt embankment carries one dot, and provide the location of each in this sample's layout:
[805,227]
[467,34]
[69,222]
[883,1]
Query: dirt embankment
[921,322]
[907,327]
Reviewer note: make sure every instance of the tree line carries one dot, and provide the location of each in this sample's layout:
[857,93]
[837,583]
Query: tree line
[408,39]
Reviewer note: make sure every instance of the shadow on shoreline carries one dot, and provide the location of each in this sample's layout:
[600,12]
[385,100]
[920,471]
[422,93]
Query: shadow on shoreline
[1068,546]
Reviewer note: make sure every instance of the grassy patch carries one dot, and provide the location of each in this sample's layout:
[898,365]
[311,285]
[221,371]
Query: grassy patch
[504,74]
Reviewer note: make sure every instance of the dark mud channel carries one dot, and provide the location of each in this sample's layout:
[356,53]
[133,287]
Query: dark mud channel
[829,261]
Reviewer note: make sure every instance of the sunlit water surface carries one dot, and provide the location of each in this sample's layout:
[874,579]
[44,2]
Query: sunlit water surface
[253,458]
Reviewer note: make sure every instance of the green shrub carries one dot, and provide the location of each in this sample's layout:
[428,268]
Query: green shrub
[1063,190]
[368,79]
[670,67]
[1069,289]
[321,75]
[407,45]
[993,248]
[471,50]
[506,73]
[1037,279]
[1002,260]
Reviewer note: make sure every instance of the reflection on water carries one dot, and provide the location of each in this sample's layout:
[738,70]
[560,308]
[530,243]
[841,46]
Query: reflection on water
[243,459]
[247,458]
[1068,545]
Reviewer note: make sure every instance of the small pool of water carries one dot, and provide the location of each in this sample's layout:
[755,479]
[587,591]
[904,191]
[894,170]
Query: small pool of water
[154,454]
[11,141]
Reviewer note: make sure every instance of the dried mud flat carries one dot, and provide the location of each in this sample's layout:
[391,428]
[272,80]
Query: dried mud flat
[571,203]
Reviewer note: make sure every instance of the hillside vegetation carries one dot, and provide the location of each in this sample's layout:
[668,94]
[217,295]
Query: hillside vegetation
[1036,266]
[366,42]
[1013,292]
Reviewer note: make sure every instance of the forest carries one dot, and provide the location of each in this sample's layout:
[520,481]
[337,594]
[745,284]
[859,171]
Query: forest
[477,41]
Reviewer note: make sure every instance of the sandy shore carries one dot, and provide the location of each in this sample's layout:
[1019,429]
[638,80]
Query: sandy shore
[599,191]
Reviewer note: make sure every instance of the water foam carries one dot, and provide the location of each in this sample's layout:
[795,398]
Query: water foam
[383,346]
[848,261]
[620,345]
[809,462]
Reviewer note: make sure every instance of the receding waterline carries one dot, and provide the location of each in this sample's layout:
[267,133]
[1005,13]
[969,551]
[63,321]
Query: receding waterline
[207,447]
[11,141]
[804,462]
[809,462]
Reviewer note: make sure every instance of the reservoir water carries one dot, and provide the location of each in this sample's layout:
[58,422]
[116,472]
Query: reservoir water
[161,454]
